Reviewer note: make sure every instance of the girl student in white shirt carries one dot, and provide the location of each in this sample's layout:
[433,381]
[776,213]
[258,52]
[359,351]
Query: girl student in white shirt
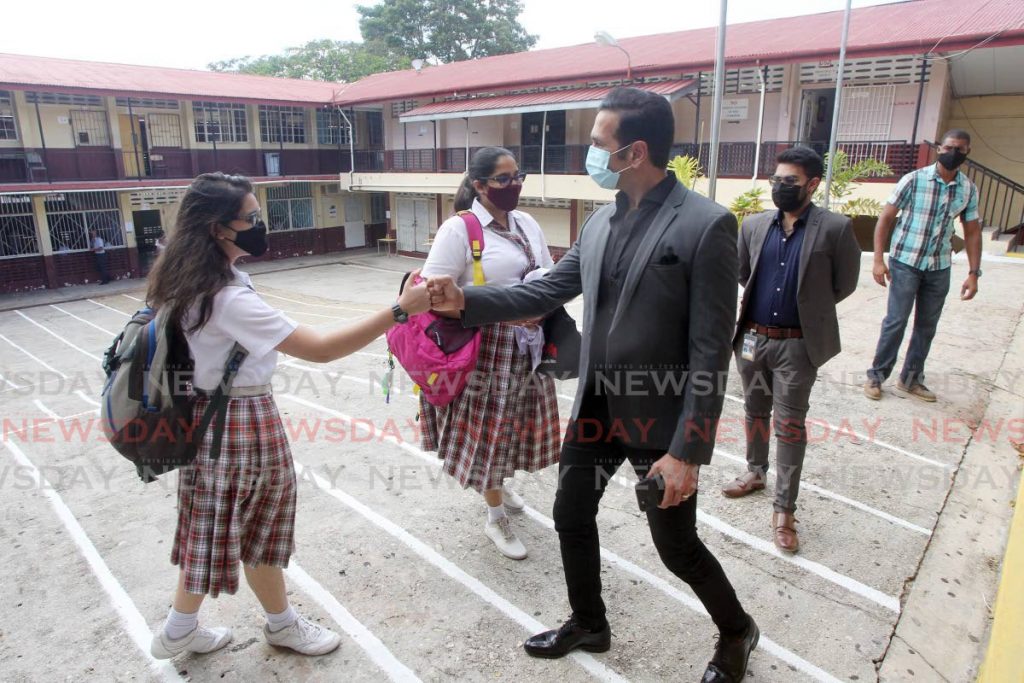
[507,418]
[239,508]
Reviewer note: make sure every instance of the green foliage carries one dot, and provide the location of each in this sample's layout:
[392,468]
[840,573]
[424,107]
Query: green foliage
[446,30]
[687,170]
[319,60]
[748,203]
[844,176]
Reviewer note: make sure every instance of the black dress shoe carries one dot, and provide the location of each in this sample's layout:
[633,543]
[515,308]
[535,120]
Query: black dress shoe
[729,665]
[560,642]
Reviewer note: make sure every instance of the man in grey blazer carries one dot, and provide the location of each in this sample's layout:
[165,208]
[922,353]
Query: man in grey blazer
[796,264]
[657,270]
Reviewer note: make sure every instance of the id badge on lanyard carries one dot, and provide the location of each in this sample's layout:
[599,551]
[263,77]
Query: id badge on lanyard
[749,346]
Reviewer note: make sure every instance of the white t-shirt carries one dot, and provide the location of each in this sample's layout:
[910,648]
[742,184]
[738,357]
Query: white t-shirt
[239,314]
[503,262]
[98,245]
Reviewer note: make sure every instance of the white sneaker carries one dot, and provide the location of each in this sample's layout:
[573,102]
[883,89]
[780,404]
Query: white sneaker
[200,641]
[304,637]
[513,501]
[508,543]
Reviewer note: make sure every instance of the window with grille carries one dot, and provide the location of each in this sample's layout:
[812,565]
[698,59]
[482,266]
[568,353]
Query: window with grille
[399,108]
[90,128]
[164,130]
[8,129]
[63,98]
[290,207]
[282,124]
[147,103]
[331,128]
[17,226]
[378,207]
[375,129]
[220,122]
[72,215]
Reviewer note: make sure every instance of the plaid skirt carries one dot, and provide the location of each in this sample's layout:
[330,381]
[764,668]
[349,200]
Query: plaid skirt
[240,507]
[506,419]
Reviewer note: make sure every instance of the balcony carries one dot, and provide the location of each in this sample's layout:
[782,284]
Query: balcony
[83,164]
[736,159]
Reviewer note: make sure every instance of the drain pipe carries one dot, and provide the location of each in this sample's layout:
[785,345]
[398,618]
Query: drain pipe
[351,148]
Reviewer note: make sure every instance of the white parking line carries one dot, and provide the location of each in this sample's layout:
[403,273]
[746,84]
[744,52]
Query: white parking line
[135,625]
[363,637]
[308,303]
[474,585]
[869,439]
[792,658]
[35,358]
[46,411]
[842,499]
[110,308]
[57,336]
[81,394]
[83,320]
[134,298]
[36,423]
[846,582]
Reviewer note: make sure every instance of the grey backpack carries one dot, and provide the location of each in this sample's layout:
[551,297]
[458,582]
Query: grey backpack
[146,407]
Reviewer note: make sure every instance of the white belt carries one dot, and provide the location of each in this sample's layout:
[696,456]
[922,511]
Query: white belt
[242,392]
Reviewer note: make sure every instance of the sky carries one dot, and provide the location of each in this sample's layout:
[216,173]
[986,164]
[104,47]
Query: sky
[191,34]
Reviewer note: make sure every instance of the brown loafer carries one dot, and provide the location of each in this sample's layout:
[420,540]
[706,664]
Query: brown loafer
[784,532]
[745,484]
[873,390]
[917,390]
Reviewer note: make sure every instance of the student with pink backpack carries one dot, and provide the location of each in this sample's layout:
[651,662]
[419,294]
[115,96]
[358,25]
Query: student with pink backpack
[506,417]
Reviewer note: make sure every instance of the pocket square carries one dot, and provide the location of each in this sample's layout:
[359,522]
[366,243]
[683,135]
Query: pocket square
[668,258]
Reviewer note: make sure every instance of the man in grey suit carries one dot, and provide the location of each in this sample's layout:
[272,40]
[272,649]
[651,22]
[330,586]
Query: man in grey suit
[796,264]
[657,270]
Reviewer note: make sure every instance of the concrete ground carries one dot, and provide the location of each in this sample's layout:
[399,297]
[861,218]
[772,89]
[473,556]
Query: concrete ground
[904,513]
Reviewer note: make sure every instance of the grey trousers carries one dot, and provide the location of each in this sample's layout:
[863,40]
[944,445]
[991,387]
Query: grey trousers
[778,380]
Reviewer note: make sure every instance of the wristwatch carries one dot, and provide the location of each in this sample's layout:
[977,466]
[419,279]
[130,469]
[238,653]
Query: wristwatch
[399,315]
[976,273]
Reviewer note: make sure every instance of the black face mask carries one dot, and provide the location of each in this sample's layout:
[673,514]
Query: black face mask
[788,197]
[952,159]
[252,241]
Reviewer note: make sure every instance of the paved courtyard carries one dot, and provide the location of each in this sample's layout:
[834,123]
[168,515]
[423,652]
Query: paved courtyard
[901,512]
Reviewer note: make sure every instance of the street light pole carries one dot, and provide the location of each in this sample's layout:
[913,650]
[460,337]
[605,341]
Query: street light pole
[716,109]
[605,38]
[833,142]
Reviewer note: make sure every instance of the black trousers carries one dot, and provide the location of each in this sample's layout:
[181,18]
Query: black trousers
[101,266]
[586,467]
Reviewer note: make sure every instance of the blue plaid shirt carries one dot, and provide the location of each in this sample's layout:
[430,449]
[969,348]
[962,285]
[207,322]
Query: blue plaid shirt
[928,205]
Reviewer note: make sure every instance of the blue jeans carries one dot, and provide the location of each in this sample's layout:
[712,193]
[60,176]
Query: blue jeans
[909,287]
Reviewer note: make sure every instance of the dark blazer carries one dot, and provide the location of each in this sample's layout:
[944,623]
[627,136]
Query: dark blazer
[671,330]
[829,268]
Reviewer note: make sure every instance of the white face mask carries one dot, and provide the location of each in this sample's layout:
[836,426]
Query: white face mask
[597,167]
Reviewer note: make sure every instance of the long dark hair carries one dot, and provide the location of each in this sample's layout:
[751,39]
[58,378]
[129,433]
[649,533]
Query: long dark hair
[192,268]
[481,166]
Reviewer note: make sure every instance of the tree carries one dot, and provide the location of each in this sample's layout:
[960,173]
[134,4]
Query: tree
[319,60]
[446,30]
[844,176]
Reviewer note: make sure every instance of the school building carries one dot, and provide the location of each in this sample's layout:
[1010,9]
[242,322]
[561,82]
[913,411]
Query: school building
[341,166]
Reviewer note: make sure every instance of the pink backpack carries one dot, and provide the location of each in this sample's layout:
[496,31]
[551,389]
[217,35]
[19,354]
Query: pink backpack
[438,353]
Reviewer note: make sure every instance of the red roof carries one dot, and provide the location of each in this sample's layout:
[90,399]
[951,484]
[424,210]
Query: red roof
[912,27]
[554,99]
[21,72]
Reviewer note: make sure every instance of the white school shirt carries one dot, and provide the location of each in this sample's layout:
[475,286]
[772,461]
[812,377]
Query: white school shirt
[239,314]
[98,245]
[503,261]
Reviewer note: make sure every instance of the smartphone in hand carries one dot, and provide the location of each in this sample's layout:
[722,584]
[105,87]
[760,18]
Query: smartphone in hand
[649,492]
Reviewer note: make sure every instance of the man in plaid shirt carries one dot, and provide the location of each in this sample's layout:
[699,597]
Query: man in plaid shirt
[927,201]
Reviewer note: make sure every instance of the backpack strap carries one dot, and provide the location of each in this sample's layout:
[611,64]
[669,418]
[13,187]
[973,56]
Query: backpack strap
[475,232]
[219,400]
